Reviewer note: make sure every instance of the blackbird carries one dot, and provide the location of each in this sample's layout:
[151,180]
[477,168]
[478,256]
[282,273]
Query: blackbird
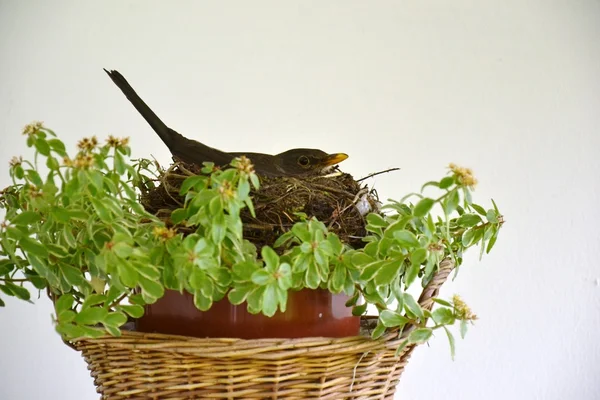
[294,162]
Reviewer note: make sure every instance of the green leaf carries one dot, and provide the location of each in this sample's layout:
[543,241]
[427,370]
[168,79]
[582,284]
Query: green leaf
[463,328]
[34,177]
[495,207]
[418,256]
[119,163]
[255,181]
[97,179]
[114,331]
[26,218]
[135,310]
[451,202]
[443,316]
[376,220]
[468,236]
[129,192]
[492,216]
[410,305]
[479,209]
[359,259]
[91,316]
[262,277]
[215,206]
[492,242]
[359,309]
[57,250]
[127,273]
[282,296]
[218,227]
[113,206]
[378,331]
[243,271]
[284,279]
[243,189]
[202,302]
[115,319]
[32,246]
[42,146]
[198,182]
[388,271]
[446,182]
[430,183]
[371,249]
[101,210]
[71,274]
[221,276]
[197,278]
[15,290]
[312,276]
[57,146]
[14,233]
[6,266]
[79,215]
[68,236]
[401,347]
[93,300]
[406,238]
[270,258]
[397,226]
[207,288]
[411,274]
[451,341]
[66,316]
[19,172]
[352,301]
[420,335]
[122,249]
[371,269]
[64,303]
[423,207]
[178,216]
[338,278]
[151,290]
[468,220]
[238,294]
[392,319]
[39,265]
[300,229]
[283,239]
[442,302]
[270,300]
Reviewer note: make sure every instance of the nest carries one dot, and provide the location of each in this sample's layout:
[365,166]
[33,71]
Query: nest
[337,200]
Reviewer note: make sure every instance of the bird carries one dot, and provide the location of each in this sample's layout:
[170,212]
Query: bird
[291,163]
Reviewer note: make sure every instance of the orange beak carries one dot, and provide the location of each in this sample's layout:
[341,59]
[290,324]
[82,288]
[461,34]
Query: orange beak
[333,159]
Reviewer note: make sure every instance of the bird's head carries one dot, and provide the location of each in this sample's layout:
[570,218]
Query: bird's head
[307,161]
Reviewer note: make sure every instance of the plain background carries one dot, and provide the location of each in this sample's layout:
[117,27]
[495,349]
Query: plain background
[509,88]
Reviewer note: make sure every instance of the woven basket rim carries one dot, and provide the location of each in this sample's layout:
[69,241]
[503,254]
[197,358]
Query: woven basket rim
[251,348]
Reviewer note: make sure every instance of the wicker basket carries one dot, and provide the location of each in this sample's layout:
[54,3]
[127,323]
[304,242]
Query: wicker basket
[155,366]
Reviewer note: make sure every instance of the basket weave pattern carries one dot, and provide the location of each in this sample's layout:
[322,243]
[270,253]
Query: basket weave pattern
[156,366]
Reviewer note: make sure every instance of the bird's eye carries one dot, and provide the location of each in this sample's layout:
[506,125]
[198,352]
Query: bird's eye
[303,161]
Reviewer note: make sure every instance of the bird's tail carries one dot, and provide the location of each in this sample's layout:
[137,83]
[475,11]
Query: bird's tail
[159,127]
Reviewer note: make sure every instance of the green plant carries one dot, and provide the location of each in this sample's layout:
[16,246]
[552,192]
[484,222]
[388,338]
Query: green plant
[81,234]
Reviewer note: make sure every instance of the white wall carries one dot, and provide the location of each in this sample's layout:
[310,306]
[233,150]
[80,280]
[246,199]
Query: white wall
[510,88]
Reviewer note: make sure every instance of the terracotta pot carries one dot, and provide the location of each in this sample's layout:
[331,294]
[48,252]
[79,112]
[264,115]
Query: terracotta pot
[309,313]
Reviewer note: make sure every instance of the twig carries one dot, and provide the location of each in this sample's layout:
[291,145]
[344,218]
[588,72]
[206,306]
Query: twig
[354,370]
[377,173]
